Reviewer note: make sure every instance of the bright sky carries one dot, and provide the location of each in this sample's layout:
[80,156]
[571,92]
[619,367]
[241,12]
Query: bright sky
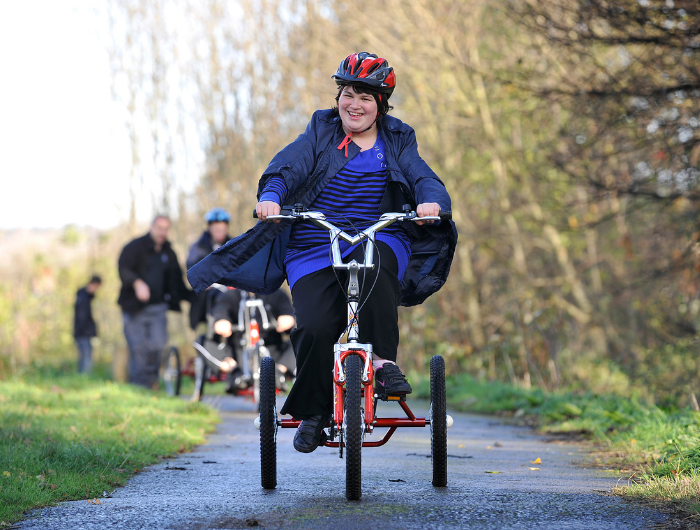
[64,153]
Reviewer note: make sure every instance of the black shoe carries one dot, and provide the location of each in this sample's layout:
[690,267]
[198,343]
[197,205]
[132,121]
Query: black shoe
[390,381]
[310,434]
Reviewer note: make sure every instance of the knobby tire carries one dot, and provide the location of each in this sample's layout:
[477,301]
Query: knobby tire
[353,420]
[268,424]
[438,421]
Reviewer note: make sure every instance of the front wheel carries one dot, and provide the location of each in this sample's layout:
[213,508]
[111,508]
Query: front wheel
[438,421]
[172,375]
[201,374]
[354,427]
[268,425]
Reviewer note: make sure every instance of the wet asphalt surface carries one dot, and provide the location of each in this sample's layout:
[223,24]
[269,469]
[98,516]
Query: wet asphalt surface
[218,485]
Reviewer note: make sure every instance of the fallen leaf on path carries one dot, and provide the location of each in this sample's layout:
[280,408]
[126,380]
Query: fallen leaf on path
[534,468]
[498,444]
[176,468]
[491,471]
[396,480]
[94,501]
[209,462]
[489,447]
[537,460]
[460,445]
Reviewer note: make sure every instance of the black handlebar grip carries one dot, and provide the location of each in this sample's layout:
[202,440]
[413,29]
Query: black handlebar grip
[445,215]
[255,214]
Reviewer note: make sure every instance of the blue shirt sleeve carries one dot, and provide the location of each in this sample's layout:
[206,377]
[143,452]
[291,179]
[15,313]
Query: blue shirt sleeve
[275,190]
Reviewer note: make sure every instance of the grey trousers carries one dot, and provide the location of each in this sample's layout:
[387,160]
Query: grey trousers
[84,354]
[146,334]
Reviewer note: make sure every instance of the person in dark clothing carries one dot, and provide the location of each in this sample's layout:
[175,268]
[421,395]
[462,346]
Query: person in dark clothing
[226,312]
[152,283]
[84,327]
[214,236]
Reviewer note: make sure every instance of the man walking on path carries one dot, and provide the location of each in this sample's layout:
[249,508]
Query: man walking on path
[84,327]
[151,284]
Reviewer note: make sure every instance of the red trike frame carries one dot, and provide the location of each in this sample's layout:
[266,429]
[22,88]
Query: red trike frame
[371,421]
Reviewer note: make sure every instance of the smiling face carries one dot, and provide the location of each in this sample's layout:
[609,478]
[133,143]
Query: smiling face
[357,111]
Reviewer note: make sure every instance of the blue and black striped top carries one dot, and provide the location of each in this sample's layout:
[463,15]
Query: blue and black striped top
[350,201]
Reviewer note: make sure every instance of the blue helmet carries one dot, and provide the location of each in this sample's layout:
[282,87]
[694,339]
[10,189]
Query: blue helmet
[216,215]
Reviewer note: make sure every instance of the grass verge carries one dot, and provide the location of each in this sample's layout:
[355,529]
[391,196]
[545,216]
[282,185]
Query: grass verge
[73,437]
[657,449]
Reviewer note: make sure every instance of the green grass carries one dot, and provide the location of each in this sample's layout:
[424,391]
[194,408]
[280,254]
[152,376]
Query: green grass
[66,437]
[658,448]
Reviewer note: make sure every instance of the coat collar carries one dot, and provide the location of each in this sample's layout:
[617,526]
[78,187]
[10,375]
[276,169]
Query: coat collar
[151,245]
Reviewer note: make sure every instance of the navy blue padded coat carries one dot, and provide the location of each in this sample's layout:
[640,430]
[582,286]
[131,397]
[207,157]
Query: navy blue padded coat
[254,261]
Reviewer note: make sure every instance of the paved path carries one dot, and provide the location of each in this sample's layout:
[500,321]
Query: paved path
[220,485]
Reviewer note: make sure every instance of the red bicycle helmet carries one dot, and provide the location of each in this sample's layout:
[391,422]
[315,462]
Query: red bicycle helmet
[366,69]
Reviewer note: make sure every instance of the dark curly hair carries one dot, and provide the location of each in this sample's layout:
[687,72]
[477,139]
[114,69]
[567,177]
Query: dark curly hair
[383,106]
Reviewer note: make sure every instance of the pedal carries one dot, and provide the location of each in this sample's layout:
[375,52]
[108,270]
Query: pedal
[389,397]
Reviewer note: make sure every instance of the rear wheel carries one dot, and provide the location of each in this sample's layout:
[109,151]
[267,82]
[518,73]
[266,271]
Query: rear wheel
[438,421]
[201,374]
[354,427]
[268,425]
[172,376]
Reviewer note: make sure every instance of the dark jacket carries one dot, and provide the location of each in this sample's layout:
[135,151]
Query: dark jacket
[254,261]
[134,263]
[201,249]
[83,324]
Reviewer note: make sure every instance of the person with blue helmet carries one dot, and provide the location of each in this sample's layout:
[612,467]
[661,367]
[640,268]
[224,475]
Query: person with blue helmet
[214,236]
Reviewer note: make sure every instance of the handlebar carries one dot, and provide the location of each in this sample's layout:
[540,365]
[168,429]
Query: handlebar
[295,213]
[298,212]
